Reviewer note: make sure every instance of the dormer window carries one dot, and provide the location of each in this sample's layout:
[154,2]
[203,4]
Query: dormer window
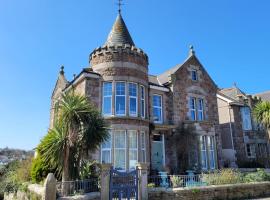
[194,75]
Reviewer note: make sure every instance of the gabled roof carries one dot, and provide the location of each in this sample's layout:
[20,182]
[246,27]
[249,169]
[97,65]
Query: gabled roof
[233,92]
[119,33]
[264,95]
[61,82]
[165,77]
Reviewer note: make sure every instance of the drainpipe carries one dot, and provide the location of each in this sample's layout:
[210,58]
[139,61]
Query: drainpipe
[231,132]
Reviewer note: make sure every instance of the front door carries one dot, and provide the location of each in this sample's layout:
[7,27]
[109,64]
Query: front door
[157,153]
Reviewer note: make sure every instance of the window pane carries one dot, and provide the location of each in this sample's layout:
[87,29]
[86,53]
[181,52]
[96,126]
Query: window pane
[194,75]
[119,139]
[157,100]
[119,159]
[133,106]
[120,105]
[132,159]
[157,114]
[106,156]
[132,139]
[108,143]
[142,92]
[132,89]
[107,89]
[120,88]
[107,105]
[192,104]
[193,115]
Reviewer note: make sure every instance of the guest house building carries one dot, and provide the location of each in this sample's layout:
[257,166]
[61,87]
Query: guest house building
[144,111]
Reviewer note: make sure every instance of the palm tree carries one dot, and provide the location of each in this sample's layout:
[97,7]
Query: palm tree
[79,128]
[261,114]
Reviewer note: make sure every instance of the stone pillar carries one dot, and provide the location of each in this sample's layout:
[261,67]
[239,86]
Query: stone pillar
[105,181]
[143,181]
[50,188]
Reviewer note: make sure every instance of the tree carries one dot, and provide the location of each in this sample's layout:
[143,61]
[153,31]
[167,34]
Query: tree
[261,114]
[184,141]
[79,128]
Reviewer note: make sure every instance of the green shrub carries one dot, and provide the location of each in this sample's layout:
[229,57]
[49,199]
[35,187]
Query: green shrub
[224,176]
[40,170]
[151,185]
[258,176]
[176,181]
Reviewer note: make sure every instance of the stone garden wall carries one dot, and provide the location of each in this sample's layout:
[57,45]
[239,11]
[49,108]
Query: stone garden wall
[221,192]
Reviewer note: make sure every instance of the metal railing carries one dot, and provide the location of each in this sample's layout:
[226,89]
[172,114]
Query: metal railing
[69,188]
[175,181]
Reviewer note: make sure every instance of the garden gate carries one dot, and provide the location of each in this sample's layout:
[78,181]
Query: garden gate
[123,185]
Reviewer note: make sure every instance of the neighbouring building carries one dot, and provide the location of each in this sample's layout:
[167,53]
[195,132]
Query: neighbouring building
[244,142]
[265,96]
[144,112]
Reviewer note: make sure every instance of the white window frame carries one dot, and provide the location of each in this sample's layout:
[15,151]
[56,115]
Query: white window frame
[143,146]
[200,103]
[115,109]
[103,96]
[196,75]
[203,143]
[160,107]
[142,89]
[250,149]
[192,109]
[211,149]
[107,149]
[133,97]
[121,148]
[133,149]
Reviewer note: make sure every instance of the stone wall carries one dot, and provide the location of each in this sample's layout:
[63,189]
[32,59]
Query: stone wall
[222,192]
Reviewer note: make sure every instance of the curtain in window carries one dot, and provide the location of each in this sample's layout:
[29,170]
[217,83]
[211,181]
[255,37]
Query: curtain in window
[133,148]
[120,150]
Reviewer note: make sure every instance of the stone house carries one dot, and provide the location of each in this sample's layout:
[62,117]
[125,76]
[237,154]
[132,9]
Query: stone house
[244,142]
[143,111]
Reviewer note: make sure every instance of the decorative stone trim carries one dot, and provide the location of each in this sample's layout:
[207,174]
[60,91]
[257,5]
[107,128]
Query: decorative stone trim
[125,53]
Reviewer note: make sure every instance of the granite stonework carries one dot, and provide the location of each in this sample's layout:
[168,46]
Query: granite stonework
[221,192]
[120,60]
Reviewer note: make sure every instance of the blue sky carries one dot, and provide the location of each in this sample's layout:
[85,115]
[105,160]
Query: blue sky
[231,38]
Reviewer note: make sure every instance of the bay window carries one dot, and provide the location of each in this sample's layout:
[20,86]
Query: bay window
[120,150]
[120,98]
[142,102]
[204,161]
[157,108]
[106,150]
[133,148]
[132,89]
[107,98]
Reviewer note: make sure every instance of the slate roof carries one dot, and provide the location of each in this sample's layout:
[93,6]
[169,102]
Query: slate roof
[264,95]
[233,92]
[153,79]
[119,33]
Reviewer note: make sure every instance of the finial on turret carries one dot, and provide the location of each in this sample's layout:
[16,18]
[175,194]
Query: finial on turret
[62,69]
[191,50]
[234,84]
[74,76]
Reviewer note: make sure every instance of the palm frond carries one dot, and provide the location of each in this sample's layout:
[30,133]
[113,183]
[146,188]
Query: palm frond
[261,113]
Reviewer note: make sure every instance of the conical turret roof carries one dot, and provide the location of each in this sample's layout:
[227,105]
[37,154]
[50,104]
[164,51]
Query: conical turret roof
[119,33]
